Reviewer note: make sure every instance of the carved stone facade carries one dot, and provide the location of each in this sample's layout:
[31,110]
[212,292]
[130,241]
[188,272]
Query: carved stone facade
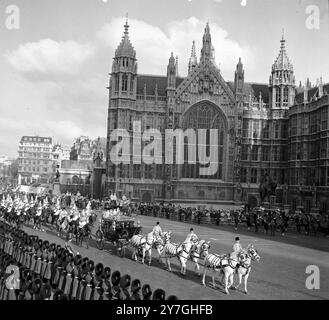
[251,119]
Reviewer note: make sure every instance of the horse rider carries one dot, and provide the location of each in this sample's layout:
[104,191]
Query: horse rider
[189,236]
[237,246]
[157,231]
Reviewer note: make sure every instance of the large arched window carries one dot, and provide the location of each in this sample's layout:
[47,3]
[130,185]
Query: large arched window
[204,115]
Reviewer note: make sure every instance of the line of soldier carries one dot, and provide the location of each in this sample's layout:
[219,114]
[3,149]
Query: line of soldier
[270,220]
[50,272]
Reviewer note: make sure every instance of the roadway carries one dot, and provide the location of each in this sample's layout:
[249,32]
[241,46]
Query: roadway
[280,273]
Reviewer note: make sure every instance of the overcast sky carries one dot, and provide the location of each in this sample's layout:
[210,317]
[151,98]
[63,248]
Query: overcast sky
[54,69]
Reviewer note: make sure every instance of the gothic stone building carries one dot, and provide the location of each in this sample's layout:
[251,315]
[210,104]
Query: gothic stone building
[252,121]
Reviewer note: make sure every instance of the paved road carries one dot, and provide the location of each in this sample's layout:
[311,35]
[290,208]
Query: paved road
[280,274]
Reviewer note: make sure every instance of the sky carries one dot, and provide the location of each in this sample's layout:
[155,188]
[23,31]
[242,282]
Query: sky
[54,69]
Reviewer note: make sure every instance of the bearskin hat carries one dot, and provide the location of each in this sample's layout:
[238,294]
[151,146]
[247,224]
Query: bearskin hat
[53,247]
[107,272]
[84,267]
[99,269]
[135,286]
[91,265]
[58,295]
[115,279]
[36,286]
[40,243]
[46,244]
[45,292]
[36,246]
[125,281]
[77,260]
[172,298]
[69,258]
[159,294]
[147,292]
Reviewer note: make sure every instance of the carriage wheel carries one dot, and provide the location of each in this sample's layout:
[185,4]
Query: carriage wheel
[99,240]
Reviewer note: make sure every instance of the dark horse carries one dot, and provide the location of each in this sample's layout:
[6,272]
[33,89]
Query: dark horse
[84,233]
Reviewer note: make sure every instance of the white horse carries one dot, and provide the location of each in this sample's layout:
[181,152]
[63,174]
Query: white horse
[223,264]
[199,251]
[144,243]
[182,252]
[244,267]
[160,243]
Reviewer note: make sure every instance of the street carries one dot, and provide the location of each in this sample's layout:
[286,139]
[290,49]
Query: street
[280,273]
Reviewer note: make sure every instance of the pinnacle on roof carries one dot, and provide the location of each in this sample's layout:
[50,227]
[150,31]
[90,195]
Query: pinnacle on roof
[172,59]
[193,61]
[125,48]
[239,66]
[282,62]
[193,57]
[207,51]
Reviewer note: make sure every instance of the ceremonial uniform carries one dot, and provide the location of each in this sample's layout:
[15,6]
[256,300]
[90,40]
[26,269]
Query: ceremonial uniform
[157,231]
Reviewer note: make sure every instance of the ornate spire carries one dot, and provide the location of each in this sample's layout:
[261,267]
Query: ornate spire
[193,62]
[207,51]
[125,48]
[126,26]
[282,62]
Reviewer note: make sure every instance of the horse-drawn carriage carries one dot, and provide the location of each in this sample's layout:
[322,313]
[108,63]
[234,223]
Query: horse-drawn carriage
[117,230]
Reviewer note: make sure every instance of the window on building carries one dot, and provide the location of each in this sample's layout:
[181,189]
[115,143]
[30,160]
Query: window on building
[293,151]
[255,132]
[265,130]
[159,172]
[278,96]
[243,174]
[116,84]
[324,118]
[313,126]
[148,171]
[254,153]
[265,153]
[323,175]
[312,147]
[245,128]
[285,94]
[293,125]
[124,86]
[284,131]
[323,148]
[276,130]
[253,175]
[292,176]
[244,152]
